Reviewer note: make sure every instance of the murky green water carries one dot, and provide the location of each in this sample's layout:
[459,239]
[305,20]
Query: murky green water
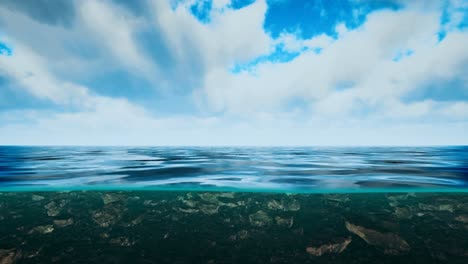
[215,227]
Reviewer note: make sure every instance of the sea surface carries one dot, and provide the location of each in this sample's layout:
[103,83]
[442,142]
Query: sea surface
[278,169]
[233,205]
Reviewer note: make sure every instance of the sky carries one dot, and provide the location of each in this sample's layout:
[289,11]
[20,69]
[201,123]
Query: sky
[234,72]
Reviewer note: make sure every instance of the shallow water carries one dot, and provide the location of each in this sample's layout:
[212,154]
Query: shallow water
[279,169]
[228,227]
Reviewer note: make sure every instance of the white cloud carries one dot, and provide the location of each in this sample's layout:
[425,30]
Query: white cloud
[361,58]
[30,71]
[102,38]
[115,28]
[232,35]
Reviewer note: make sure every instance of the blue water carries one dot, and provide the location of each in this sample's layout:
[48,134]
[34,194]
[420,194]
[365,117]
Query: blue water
[276,169]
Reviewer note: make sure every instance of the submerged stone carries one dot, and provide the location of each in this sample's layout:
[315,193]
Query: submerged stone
[43,229]
[190,203]
[260,219]
[122,241]
[229,195]
[241,235]
[441,207]
[37,197]
[209,209]
[403,213]
[462,218]
[209,197]
[286,222]
[63,223]
[52,209]
[106,216]
[339,198]
[137,220]
[190,210]
[274,205]
[150,203]
[284,205]
[389,242]
[111,198]
[9,256]
[329,248]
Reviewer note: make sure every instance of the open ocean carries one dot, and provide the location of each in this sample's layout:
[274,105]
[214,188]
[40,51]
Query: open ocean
[233,204]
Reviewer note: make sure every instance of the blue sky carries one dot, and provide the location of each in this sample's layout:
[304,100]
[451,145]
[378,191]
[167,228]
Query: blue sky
[240,72]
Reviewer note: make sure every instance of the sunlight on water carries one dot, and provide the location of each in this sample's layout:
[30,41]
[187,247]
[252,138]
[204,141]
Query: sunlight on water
[279,169]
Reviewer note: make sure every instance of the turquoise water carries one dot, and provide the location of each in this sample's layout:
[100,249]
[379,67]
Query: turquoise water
[271,169]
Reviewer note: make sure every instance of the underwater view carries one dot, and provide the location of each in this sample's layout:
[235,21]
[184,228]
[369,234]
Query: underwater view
[233,205]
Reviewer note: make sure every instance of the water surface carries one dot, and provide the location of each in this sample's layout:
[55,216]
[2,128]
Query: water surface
[279,169]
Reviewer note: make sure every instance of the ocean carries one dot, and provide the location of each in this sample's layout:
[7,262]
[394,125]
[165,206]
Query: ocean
[233,204]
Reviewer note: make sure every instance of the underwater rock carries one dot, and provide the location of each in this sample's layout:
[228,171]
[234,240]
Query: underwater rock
[36,198]
[122,241]
[241,235]
[228,195]
[293,206]
[395,200]
[63,223]
[137,220]
[398,197]
[209,209]
[190,211]
[9,256]
[212,203]
[111,198]
[284,205]
[150,203]
[403,213]
[274,205]
[389,242]
[230,205]
[52,209]
[462,218]
[190,203]
[287,222]
[209,197]
[329,248]
[441,207]
[260,219]
[32,254]
[339,198]
[43,229]
[107,216]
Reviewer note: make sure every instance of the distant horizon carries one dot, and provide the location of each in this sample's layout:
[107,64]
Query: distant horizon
[247,146]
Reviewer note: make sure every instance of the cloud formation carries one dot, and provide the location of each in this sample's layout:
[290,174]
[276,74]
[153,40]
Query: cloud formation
[173,73]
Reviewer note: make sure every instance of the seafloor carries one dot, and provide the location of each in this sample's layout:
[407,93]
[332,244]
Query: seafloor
[198,227]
